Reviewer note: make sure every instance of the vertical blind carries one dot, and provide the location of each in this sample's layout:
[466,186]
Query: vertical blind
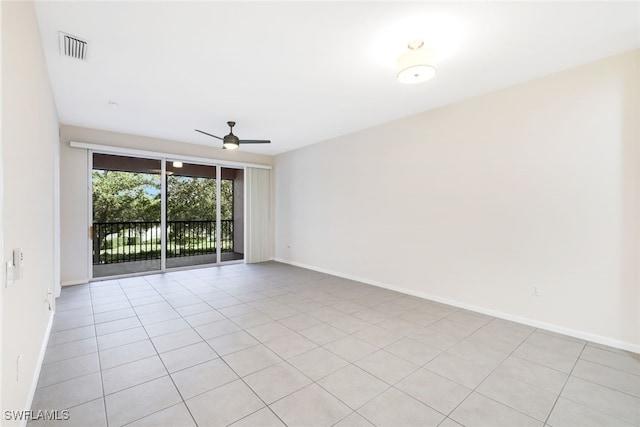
[258,215]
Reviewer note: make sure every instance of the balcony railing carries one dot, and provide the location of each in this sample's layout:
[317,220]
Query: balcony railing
[115,242]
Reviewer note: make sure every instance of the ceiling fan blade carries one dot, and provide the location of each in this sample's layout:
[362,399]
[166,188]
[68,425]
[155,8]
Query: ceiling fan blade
[254,141]
[208,134]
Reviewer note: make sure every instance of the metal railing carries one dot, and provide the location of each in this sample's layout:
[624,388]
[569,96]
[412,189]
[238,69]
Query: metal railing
[115,242]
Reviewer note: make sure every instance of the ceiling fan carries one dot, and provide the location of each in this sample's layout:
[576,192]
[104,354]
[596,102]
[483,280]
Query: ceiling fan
[231,142]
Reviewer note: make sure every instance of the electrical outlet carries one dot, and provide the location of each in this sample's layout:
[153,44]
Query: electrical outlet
[535,290]
[47,300]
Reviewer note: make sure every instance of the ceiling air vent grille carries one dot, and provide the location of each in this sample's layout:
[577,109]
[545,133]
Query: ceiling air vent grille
[73,46]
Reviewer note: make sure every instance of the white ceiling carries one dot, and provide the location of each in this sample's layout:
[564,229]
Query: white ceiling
[303,72]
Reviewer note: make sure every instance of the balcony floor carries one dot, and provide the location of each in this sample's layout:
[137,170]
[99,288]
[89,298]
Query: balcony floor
[133,267]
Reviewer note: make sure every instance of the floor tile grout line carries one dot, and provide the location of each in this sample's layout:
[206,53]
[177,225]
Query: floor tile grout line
[474,390]
[559,394]
[597,384]
[637,397]
[71,341]
[228,366]
[104,399]
[223,359]
[323,302]
[388,386]
[292,392]
[153,379]
[166,368]
[564,385]
[578,358]
[283,361]
[73,377]
[616,417]
[101,372]
[622,371]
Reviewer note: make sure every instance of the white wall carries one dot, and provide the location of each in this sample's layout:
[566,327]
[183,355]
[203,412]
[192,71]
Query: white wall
[475,202]
[29,140]
[74,181]
[1,219]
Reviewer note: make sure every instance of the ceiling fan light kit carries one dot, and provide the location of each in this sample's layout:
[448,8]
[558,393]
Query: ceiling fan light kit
[230,145]
[416,65]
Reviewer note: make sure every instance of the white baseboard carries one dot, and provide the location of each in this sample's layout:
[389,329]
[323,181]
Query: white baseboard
[74,282]
[599,339]
[36,375]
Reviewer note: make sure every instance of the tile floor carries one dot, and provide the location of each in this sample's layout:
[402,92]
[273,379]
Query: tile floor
[275,345]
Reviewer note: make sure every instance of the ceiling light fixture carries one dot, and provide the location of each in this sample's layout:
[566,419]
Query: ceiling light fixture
[177,164]
[417,65]
[230,142]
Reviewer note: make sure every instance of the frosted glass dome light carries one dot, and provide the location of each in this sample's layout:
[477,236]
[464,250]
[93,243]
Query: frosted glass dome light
[417,65]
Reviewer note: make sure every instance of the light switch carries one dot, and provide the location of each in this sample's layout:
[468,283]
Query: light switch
[9,273]
[18,263]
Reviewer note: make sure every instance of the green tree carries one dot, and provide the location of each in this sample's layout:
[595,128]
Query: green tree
[226,197]
[192,198]
[120,196]
[125,196]
[131,196]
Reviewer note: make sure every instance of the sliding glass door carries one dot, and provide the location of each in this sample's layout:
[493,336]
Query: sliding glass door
[126,230]
[232,214]
[191,214]
[142,223]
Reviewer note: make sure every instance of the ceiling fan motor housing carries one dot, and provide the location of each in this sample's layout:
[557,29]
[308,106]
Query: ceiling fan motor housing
[230,142]
[231,139]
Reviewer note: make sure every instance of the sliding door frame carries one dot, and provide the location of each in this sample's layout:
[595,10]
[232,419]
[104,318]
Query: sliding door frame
[218,215]
[163,223]
[89,229]
[163,214]
[163,157]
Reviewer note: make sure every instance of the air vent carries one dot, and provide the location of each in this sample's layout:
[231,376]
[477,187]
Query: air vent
[73,46]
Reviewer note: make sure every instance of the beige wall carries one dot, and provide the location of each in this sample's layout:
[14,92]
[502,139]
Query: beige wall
[475,202]
[1,222]
[29,143]
[74,181]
